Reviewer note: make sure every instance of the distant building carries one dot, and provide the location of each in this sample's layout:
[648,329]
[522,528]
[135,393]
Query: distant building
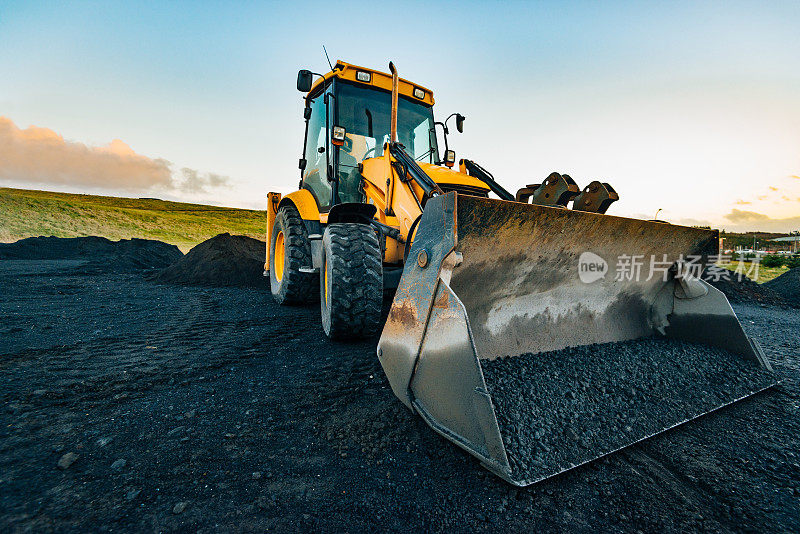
[793,241]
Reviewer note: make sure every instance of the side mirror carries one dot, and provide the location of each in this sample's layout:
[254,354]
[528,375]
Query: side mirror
[304,80]
[460,122]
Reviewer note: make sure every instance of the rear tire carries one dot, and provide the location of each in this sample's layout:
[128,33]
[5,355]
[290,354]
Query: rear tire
[351,281]
[289,245]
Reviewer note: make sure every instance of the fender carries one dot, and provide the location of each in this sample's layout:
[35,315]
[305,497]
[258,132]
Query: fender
[352,212]
[304,201]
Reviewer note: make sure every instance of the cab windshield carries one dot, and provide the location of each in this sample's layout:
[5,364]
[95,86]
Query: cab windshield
[365,115]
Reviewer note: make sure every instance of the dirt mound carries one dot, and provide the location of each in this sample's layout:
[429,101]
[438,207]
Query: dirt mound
[125,255]
[223,260]
[742,290]
[787,286]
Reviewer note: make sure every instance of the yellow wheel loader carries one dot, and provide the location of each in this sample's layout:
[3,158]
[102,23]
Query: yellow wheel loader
[509,333]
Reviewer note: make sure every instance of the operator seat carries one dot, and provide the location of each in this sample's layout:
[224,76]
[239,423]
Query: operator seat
[349,176]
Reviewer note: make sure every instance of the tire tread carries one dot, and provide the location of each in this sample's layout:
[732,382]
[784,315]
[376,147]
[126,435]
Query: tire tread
[356,294]
[295,287]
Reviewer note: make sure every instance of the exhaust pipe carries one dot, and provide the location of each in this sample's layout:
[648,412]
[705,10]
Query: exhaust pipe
[393,124]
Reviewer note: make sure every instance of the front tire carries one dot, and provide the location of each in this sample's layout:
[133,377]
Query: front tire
[351,281]
[289,250]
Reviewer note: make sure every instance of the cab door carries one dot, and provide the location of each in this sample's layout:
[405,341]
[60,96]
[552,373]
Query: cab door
[315,174]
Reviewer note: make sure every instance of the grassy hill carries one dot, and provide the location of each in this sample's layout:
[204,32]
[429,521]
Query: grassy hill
[28,213]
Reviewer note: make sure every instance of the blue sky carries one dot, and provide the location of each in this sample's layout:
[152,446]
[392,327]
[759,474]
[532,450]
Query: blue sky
[689,107]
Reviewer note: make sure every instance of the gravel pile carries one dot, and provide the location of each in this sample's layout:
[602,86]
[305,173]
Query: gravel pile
[562,408]
[223,260]
[742,290]
[55,248]
[125,255]
[787,286]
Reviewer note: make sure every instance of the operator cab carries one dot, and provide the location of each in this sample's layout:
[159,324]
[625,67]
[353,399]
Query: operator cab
[348,113]
[364,113]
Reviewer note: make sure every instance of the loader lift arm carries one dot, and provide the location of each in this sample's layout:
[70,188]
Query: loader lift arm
[473,169]
[410,169]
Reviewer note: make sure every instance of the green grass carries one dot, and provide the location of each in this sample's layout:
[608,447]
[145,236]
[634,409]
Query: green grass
[765,274]
[29,213]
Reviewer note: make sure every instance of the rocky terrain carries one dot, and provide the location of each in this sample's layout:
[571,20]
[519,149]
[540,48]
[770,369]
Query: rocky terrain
[130,405]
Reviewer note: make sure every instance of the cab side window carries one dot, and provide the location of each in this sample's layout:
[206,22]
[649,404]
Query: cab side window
[315,177]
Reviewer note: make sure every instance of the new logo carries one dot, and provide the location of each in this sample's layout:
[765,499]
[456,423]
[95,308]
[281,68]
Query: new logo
[591,267]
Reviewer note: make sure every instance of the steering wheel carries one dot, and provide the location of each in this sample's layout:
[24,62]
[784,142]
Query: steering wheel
[373,149]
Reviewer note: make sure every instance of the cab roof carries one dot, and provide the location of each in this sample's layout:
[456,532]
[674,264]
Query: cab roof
[377,79]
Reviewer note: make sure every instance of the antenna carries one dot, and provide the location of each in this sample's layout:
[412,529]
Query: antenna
[326,57]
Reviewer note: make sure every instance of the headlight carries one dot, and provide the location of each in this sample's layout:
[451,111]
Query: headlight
[362,76]
[338,135]
[450,158]
[419,93]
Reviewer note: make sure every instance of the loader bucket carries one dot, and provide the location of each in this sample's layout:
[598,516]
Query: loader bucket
[510,338]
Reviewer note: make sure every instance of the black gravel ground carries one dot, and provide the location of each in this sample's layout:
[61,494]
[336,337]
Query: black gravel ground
[133,406]
[562,408]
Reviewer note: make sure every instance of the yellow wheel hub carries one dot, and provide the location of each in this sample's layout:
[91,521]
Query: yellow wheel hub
[325,270]
[280,255]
